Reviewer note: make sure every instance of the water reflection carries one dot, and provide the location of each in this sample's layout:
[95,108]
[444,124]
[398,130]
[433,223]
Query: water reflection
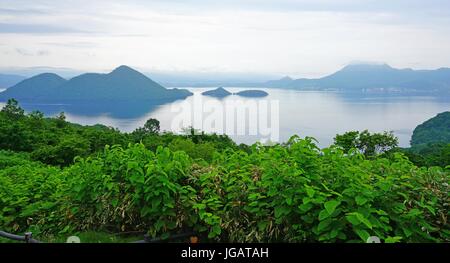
[306,113]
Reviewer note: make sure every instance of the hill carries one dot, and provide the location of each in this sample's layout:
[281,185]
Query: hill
[252,93]
[218,93]
[434,130]
[122,84]
[374,78]
[34,88]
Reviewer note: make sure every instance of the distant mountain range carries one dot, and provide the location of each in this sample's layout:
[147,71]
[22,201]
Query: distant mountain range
[126,83]
[122,84]
[373,78]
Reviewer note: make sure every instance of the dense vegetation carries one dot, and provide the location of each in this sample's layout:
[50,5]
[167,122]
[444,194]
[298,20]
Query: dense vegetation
[58,178]
[430,142]
[434,130]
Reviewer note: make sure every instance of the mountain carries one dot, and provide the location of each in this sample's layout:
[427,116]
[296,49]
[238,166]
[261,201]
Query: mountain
[218,93]
[122,84]
[34,88]
[286,81]
[7,80]
[374,78]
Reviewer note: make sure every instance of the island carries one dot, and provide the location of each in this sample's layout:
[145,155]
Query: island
[123,84]
[252,93]
[217,93]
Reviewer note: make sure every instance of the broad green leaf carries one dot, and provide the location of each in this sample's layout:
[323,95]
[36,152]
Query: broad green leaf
[363,220]
[324,224]
[393,239]
[305,207]
[353,219]
[360,200]
[363,234]
[323,215]
[330,206]
[310,192]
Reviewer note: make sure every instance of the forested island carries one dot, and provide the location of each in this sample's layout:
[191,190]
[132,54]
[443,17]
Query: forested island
[218,93]
[58,178]
[123,84]
[222,93]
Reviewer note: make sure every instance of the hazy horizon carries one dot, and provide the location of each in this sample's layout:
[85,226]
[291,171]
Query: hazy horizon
[247,38]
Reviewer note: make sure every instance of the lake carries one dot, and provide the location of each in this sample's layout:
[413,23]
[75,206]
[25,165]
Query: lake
[321,115]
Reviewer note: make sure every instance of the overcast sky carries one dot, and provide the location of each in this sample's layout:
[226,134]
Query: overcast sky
[301,38]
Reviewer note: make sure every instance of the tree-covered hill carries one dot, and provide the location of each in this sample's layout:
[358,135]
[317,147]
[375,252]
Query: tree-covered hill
[434,130]
[430,142]
[122,84]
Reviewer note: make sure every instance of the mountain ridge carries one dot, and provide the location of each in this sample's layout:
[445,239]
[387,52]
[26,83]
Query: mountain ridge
[373,77]
[121,84]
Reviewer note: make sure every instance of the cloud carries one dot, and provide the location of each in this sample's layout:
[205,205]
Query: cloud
[13,28]
[74,44]
[296,37]
[38,53]
[12,11]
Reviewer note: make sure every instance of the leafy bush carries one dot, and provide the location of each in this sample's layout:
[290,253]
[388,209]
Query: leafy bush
[283,193]
[131,189]
[30,198]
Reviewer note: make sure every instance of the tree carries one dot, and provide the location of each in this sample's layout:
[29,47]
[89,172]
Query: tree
[430,154]
[36,119]
[61,120]
[64,152]
[151,126]
[37,115]
[203,151]
[12,109]
[367,143]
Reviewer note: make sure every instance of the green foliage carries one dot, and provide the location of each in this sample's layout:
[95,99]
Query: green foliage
[8,159]
[428,155]
[434,130]
[64,152]
[203,151]
[30,197]
[137,190]
[283,193]
[12,110]
[367,143]
[430,142]
[53,141]
[102,180]
[151,127]
[60,120]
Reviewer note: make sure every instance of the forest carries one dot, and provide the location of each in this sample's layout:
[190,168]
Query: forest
[58,179]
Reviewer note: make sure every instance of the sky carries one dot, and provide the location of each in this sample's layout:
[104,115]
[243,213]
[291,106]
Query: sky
[299,38]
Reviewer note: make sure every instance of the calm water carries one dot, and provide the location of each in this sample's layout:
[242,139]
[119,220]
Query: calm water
[318,114]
